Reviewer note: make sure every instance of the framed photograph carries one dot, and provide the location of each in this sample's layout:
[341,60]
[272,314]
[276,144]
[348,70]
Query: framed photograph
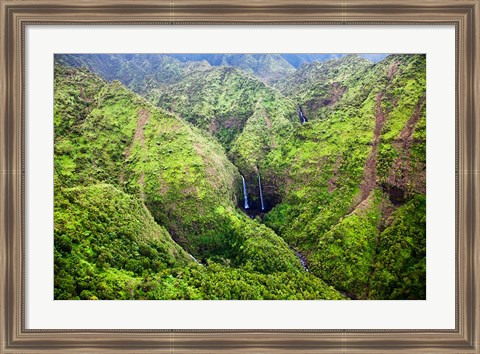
[206,176]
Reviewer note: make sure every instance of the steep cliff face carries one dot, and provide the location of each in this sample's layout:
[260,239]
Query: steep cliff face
[349,173]
[247,117]
[334,152]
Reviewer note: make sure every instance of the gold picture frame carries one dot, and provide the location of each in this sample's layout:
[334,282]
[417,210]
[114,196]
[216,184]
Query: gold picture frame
[17,14]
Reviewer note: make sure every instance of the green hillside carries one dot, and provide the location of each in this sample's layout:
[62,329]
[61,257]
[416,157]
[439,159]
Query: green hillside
[343,193]
[117,156]
[221,100]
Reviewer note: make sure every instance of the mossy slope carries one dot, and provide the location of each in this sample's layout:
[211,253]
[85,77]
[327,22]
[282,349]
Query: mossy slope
[101,231]
[340,191]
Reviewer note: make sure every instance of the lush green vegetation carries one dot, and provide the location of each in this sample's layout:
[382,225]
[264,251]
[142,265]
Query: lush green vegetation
[140,180]
[103,238]
[339,191]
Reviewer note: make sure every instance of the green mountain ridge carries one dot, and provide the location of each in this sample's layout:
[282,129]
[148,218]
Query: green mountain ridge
[220,101]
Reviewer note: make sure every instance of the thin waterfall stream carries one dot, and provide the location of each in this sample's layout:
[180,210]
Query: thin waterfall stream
[261,194]
[245,195]
[196,261]
[302,117]
[301,257]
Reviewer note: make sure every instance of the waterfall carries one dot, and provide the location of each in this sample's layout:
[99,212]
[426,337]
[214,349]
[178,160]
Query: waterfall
[245,195]
[261,194]
[303,119]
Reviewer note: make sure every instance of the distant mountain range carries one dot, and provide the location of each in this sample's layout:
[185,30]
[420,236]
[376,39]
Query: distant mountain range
[133,69]
[296,60]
